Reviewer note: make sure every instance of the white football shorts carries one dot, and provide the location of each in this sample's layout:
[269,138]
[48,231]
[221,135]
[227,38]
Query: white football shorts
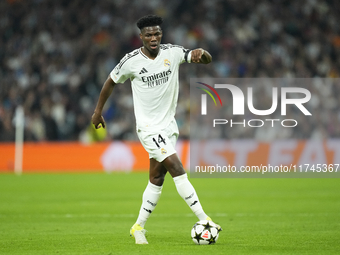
[160,144]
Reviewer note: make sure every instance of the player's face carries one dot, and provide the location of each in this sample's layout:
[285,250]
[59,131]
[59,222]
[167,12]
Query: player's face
[151,37]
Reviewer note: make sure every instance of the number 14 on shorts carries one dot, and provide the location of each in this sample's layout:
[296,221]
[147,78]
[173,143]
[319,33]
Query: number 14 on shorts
[159,141]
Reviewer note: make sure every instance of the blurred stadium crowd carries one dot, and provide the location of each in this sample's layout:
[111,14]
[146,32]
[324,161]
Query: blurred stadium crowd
[55,56]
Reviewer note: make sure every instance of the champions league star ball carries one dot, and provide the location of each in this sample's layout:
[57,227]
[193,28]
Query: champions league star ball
[204,232]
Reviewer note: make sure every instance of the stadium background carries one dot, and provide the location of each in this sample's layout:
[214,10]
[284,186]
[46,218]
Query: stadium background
[55,56]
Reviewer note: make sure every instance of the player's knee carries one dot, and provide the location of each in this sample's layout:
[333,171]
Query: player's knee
[176,169]
[157,180]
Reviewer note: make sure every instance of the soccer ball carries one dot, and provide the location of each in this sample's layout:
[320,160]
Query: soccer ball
[204,232]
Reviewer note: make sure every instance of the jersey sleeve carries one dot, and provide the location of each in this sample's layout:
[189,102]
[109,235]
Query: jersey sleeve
[121,72]
[182,54]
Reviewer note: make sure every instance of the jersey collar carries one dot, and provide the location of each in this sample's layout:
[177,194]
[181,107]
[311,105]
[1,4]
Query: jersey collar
[145,56]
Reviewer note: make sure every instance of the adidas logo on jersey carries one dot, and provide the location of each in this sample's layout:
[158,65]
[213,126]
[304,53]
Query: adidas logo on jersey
[143,71]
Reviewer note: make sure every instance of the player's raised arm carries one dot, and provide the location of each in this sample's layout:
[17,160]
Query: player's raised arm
[200,56]
[97,118]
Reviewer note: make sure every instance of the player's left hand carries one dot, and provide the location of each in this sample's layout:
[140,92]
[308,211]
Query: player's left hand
[196,55]
[98,120]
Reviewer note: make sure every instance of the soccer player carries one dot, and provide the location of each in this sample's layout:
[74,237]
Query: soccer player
[153,71]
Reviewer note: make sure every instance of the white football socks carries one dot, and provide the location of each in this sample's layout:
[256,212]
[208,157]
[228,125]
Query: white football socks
[188,193]
[153,192]
[151,196]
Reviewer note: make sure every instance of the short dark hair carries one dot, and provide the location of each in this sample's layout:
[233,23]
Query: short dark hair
[149,21]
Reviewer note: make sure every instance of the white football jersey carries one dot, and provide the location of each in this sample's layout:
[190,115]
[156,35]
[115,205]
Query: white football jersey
[154,84]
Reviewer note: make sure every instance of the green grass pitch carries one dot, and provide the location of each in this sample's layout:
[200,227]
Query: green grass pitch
[93,213]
